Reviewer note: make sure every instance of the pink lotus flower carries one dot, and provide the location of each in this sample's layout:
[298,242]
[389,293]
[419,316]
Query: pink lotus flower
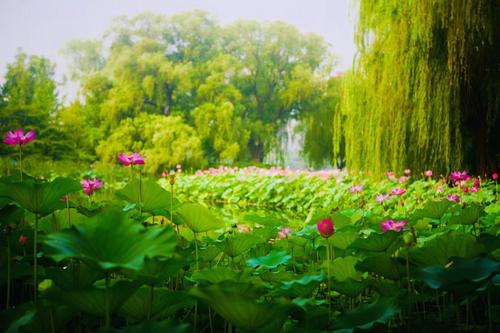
[398,191]
[381,198]
[407,172]
[402,179]
[452,197]
[17,137]
[390,175]
[357,188]
[494,176]
[22,240]
[132,159]
[392,225]
[284,233]
[91,186]
[457,175]
[325,228]
[428,173]
[164,174]
[475,189]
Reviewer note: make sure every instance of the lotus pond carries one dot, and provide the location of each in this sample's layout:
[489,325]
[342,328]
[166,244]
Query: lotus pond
[291,251]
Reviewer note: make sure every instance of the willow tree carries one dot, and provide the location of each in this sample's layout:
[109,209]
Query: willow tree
[424,92]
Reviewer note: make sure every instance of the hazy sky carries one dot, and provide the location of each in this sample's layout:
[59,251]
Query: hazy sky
[43,27]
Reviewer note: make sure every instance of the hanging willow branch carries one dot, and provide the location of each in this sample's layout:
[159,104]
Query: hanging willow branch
[424,92]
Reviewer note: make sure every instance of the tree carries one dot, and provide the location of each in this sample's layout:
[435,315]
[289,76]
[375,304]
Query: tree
[165,141]
[29,100]
[424,93]
[269,53]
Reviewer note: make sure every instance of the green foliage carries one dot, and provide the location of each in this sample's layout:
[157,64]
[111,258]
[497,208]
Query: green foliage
[148,195]
[236,85]
[110,240]
[38,197]
[165,141]
[272,260]
[423,93]
[240,309]
[367,315]
[198,218]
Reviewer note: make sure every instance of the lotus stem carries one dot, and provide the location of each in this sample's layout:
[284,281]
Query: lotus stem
[21,161]
[107,322]
[490,318]
[210,320]
[140,193]
[197,269]
[7,302]
[35,259]
[151,298]
[196,251]
[328,259]
[51,318]
[69,213]
[172,205]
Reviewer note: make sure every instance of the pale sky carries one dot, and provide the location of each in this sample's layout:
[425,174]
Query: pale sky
[43,27]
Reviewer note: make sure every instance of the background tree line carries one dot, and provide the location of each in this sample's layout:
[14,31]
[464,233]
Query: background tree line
[180,89]
[424,91]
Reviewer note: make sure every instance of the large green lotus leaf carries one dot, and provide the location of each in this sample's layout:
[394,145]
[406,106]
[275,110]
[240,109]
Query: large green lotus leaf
[137,307]
[349,287]
[272,260]
[10,214]
[216,275]
[198,218]
[19,270]
[4,201]
[378,242]
[209,253]
[59,220]
[157,327]
[60,314]
[155,199]
[237,307]
[92,300]
[367,315]
[343,239]
[468,215]
[308,232]
[382,264]
[315,215]
[301,287]
[110,240]
[14,319]
[346,218]
[386,287]
[432,209]
[439,249]
[490,242]
[75,275]
[37,196]
[461,272]
[156,270]
[277,276]
[342,269]
[238,244]
[308,303]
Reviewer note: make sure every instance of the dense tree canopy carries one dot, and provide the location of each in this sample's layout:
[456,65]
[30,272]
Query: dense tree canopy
[425,89]
[236,85]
